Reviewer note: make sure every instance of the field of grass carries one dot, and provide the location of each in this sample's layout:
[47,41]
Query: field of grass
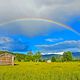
[41,71]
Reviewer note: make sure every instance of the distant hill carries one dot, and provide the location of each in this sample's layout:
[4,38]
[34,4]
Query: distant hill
[76,54]
[48,56]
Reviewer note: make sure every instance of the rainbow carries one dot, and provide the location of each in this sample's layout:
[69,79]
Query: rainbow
[42,19]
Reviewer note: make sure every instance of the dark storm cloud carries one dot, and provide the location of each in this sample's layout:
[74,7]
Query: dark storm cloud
[51,9]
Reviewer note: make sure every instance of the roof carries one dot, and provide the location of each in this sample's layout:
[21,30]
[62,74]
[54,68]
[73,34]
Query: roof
[6,54]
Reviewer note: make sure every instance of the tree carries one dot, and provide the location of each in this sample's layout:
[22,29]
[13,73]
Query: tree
[53,59]
[29,56]
[67,56]
[20,57]
[30,53]
[37,56]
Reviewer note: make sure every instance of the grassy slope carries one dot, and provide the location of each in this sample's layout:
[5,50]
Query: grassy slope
[41,71]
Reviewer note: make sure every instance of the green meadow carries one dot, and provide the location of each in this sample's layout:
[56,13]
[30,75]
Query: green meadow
[41,71]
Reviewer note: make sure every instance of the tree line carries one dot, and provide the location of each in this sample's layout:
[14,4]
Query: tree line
[28,57]
[37,57]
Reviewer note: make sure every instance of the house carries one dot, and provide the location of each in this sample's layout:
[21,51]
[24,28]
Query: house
[6,59]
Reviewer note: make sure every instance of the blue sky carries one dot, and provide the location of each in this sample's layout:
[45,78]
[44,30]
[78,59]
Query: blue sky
[20,33]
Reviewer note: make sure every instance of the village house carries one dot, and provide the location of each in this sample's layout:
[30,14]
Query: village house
[6,59]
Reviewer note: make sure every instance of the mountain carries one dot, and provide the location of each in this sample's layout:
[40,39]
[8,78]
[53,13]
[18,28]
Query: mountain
[76,54]
[48,56]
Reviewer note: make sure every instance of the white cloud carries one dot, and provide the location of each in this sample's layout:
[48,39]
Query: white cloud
[61,53]
[11,44]
[72,45]
[54,39]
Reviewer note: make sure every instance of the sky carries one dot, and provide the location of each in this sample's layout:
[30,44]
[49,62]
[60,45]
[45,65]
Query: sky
[49,26]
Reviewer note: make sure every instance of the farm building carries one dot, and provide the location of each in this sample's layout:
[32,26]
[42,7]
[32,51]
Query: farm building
[48,61]
[6,59]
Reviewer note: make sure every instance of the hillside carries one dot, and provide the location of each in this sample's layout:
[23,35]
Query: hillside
[48,56]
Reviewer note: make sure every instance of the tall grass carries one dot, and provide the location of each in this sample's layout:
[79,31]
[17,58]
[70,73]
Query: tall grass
[41,71]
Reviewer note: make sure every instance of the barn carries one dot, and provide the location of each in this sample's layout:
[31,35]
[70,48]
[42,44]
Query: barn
[6,59]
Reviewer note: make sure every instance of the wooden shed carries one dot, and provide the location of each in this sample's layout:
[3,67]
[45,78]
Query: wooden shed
[6,59]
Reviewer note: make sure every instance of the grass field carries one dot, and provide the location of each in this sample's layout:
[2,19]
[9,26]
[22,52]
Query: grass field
[41,71]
